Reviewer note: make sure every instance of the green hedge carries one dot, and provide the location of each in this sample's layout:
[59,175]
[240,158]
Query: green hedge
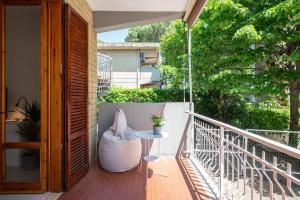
[260,116]
[234,109]
[118,95]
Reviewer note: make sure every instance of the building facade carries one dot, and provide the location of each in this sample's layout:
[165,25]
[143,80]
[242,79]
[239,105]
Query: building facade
[133,65]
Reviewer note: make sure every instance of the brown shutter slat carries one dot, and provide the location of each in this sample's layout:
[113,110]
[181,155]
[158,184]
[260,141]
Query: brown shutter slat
[76,95]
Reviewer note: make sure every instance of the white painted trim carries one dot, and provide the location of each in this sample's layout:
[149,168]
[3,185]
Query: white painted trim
[139,5]
[137,23]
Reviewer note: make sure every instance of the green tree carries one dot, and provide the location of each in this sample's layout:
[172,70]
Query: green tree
[147,33]
[170,76]
[243,47]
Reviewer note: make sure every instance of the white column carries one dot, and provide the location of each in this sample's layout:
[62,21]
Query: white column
[190,68]
[190,139]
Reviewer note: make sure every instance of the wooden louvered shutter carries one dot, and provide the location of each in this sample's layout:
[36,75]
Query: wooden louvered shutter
[76,95]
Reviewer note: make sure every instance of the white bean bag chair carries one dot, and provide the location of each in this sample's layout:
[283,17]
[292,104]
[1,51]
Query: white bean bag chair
[119,152]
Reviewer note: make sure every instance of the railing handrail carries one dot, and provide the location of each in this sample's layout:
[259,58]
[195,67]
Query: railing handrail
[103,55]
[272,131]
[265,141]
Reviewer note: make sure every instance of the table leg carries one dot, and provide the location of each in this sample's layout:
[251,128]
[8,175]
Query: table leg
[158,155]
[142,156]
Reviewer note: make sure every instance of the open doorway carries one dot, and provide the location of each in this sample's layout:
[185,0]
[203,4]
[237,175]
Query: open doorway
[23,90]
[24,98]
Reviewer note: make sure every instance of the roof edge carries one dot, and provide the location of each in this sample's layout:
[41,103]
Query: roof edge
[128,45]
[191,17]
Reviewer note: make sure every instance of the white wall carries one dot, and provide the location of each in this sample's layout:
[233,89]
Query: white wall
[155,74]
[124,60]
[138,117]
[22,53]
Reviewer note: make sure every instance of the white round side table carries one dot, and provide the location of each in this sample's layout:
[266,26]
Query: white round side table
[148,136]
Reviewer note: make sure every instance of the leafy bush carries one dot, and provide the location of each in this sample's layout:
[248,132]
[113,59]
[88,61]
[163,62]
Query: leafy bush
[155,95]
[261,116]
[224,108]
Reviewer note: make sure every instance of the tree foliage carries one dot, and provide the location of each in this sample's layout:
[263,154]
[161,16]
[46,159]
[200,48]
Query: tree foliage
[147,33]
[170,76]
[242,47]
[231,41]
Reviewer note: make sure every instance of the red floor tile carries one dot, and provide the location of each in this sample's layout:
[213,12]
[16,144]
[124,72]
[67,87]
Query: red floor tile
[180,184]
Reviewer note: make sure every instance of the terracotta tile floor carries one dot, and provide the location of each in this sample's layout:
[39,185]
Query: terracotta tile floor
[181,183]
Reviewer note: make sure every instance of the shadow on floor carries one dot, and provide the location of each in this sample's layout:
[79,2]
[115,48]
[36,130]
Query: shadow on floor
[196,187]
[180,184]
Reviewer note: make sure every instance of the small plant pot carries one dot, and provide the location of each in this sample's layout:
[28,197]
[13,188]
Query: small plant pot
[157,130]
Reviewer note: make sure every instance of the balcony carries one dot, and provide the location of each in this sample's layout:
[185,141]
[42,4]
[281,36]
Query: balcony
[212,160]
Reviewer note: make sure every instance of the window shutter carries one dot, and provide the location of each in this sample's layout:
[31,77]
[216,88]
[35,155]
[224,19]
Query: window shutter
[76,95]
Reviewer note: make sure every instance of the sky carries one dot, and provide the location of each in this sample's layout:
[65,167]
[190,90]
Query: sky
[113,36]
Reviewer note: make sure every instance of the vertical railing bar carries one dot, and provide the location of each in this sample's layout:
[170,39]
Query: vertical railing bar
[260,177]
[252,174]
[216,149]
[232,160]
[221,162]
[289,182]
[227,157]
[209,144]
[276,180]
[204,145]
[238,167]
[202,138]
[266,175]
[245,163]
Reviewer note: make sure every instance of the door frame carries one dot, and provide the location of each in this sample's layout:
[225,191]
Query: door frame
[51,97]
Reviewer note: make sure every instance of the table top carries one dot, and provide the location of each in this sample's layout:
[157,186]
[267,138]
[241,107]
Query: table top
[148,134]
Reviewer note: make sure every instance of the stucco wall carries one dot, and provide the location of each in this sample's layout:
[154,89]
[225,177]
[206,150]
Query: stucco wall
[82,7]
[124,60]
[125,64]
[138,117]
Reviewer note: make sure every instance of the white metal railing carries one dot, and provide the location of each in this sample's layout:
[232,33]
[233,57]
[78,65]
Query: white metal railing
[104,71]
[244,165]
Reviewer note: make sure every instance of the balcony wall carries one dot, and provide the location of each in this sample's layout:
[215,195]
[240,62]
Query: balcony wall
[138,117]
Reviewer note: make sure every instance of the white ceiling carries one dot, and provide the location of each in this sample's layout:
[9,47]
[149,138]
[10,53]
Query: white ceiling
[139,5]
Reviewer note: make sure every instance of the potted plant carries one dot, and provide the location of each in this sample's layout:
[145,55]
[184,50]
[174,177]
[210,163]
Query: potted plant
[30,130]
[158,121]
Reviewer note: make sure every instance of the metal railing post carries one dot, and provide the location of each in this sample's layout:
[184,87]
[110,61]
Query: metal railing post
[110,74]
[221,162]
[192,139]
